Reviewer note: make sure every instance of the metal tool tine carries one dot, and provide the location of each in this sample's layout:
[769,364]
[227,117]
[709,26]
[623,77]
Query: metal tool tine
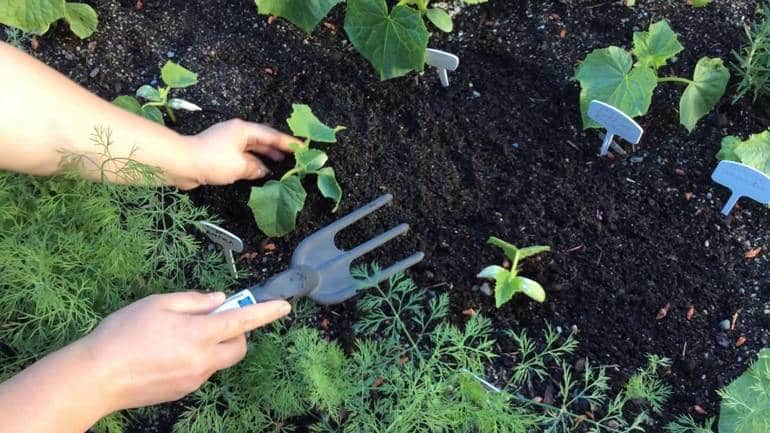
[357,215]
[396,268]
[375,242]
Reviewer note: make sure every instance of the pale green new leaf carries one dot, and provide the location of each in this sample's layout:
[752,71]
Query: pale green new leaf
[276,205]
[395,43]
[440,19]
[305,14]
[504,288]
[699,98]
[531,288]
[700,3]
[491,272]
[82,19]
[177,77]
[754,152]
[746,401]
[153,113]
[327,184]
[607,76]
[309,159]
[149,93]
[510,250]
[654,47]
[128,103]
[33,16]
[304,123]
[532,251]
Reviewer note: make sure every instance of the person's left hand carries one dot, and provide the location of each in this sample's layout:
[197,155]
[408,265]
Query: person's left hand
[225,152]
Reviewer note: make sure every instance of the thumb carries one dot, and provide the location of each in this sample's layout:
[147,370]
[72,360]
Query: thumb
[193,302]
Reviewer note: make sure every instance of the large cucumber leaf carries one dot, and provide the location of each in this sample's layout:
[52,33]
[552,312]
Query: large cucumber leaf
[608,75]
[34,16]
[305,14]
[82,19]
[276,205]
[702,94]
[754,152]
[654,47]
[395,43]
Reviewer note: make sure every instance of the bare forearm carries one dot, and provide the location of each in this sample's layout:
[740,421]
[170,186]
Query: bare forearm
[62,393]
[44,116]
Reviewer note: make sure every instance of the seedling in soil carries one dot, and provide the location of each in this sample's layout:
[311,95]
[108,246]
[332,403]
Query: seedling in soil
[175,77]
[320,270]
[743,181]
[508,282]
[444,62]
[615,122]
[610,75]
[228,241]
[276,204]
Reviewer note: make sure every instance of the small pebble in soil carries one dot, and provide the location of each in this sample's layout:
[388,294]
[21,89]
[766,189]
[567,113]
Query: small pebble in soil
[170,54]
[725,324]
[722,340]
[154,82]
[476,94]
[94,72]
[515,145]
[636,159]
[486,289]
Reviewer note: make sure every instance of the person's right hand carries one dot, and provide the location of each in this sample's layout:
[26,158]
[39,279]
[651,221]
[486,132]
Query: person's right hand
[163,347]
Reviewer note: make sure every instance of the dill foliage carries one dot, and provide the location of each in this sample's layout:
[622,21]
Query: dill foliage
[73,251]
[752,63]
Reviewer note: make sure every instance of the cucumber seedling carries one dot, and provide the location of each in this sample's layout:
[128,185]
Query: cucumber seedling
[610,75]
[175,77]
[508,282]
[276,204]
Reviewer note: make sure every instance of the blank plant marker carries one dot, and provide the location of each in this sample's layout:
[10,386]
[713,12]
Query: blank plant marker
[444,62]
[743,181]
[228,241]
[615,122]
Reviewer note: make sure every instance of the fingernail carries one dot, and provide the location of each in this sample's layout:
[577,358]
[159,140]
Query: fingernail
[285,308]
[218,297]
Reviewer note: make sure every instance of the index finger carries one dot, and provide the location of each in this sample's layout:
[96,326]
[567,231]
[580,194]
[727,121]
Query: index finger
[230,324]
[262,135]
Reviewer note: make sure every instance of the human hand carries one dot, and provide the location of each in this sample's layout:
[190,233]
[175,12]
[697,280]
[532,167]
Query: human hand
[164,347]
[225,152]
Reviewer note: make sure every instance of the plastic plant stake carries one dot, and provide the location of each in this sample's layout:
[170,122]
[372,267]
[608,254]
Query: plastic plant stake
[228,241]
[615,122]
[320,270]
[444,62]
[743,181]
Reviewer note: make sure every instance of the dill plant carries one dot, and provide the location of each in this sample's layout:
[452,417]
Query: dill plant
[73,251]
[752,63]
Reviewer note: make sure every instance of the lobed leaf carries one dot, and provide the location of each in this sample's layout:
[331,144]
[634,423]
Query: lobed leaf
[177,77]
[303,123]
[305,14]
[82,19]
[276,205]
[395,43]
[654,47]
[608,75]
[702,94]
[327,184]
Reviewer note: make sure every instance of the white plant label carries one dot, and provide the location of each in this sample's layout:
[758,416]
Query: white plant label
[244,298]
[444,62]
[743,181]
[615,122]
[228,241]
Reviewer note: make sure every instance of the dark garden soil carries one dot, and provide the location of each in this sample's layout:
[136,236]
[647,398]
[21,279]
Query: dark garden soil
[501,152]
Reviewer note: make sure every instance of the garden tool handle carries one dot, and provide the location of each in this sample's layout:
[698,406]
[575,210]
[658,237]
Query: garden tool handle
[288,284]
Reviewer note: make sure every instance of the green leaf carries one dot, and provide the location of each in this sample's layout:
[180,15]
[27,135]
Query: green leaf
[305,14]
[304,123]
[128,103]
[34,16]
[654,47]
[327,184]
[82,19]
[440,19]
[276,205]
[153,113]
[607,76]
[491,272]
[532,251]
[148,92]
[701,96]
[746,401]
[531,288]
[754,152]
[700,3]
[309,159]
[510,250]
[177,77]
[504,287]
[394,43]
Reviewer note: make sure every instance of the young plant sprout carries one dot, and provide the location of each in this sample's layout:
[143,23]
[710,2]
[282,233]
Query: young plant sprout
[175,77]
[277,203]
[508,282]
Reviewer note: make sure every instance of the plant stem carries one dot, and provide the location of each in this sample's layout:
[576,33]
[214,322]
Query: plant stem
[674,79]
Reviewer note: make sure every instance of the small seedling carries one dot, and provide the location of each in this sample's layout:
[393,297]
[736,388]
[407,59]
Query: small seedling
[277,203]
[611,75]
[743,181]
[175,77]
[508,282]
[615,122]
[444,62]
[228,241]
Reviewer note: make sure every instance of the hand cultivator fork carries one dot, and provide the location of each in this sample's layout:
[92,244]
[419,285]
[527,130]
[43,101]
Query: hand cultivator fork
[320,270]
